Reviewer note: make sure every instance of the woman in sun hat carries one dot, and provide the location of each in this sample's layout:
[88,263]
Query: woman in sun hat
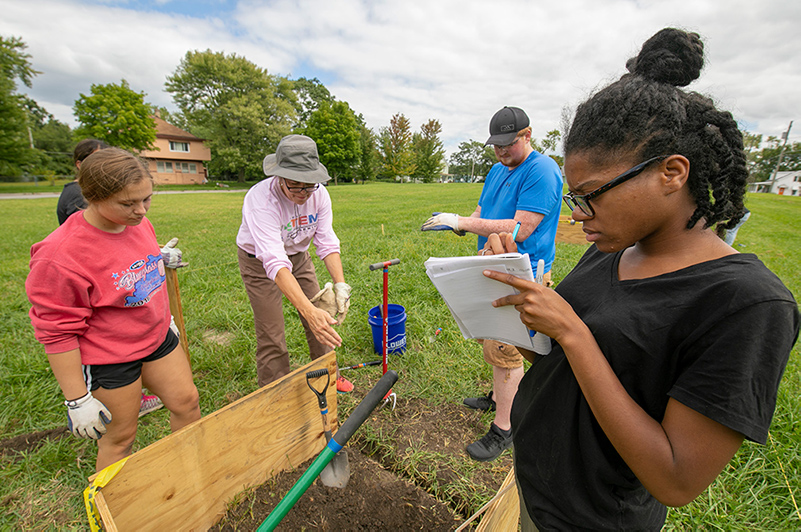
[281,216]
[669,345]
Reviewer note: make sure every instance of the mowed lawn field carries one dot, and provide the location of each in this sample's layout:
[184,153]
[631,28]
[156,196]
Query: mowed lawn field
[41,488]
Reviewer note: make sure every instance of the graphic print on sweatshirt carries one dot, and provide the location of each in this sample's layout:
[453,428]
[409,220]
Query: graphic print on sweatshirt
[298,227]
[142,278]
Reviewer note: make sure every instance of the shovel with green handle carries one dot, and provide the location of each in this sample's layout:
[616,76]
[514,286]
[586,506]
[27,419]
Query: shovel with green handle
[348,428]
[337,472]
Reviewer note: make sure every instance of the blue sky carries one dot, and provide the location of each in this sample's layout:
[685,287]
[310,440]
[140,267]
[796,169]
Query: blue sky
[456,61]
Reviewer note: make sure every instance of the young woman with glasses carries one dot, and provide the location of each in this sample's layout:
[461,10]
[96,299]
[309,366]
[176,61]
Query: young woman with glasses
[668,345]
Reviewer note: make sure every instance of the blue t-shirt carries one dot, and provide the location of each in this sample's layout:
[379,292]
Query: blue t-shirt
[535,186]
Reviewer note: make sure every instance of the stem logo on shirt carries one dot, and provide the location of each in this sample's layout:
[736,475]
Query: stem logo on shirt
[142,278]
[304,223]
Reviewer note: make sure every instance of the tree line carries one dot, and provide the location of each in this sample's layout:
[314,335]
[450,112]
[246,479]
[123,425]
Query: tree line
[242,111]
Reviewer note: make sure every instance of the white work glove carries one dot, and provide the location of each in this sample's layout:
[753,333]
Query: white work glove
[172,255]
[174,327]
[342,291]
[443,221]
[326,299]
[87,417]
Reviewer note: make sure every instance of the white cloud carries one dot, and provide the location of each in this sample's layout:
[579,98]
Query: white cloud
[455,61]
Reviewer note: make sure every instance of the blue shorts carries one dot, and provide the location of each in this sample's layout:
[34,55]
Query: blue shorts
[110,376]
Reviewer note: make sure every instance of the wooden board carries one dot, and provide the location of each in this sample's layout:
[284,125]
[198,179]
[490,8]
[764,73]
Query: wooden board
[176,309]
[504,512]
[185,480]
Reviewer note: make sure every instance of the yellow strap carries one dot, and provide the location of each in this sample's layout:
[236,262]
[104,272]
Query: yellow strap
[102,478]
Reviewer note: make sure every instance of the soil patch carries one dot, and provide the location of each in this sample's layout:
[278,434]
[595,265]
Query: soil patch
[374,499]
[12,447]
[409,471]
[570,233]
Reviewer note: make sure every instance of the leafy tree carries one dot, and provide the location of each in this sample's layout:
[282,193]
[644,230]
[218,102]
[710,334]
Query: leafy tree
[369,155]
[311,94]
[429,155]
[15,149]
[763,156]
[395,144]
[335,129]
[117,115]
[240,109]
[549,143]
[472,159]
[52,141]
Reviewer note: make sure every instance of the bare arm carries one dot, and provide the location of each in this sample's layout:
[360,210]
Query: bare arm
[319,320]
[333,263]
[66,368]
[528,224]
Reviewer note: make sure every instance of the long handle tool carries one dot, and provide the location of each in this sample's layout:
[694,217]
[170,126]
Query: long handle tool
[337,473]
[348,428]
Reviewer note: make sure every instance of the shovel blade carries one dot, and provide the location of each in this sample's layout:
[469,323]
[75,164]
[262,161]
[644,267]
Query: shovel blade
[337,473]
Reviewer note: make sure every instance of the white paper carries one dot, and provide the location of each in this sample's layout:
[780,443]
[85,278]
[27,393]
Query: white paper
[469,295]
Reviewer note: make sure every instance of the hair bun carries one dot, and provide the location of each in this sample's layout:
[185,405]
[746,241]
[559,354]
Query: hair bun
[670,56]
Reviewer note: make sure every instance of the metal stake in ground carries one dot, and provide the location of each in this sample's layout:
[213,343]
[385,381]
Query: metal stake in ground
[385,314]
[359,415]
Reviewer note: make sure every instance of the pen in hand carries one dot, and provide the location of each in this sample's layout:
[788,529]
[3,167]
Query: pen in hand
[514,233]
[540,342]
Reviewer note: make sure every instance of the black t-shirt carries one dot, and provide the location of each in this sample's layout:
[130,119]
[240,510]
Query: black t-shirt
[715,336]
[70,201]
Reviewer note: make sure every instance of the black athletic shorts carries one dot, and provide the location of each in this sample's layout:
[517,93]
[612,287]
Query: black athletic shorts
[112,376]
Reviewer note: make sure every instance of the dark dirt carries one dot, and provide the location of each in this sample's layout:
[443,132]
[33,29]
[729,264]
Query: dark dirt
[12,447]
[417,454]
[374,499]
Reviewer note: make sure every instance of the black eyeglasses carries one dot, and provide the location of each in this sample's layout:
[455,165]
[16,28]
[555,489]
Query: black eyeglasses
[299,190]
[507,146]
[583,201]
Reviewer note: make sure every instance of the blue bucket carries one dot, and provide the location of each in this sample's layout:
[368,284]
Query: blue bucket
[396,328]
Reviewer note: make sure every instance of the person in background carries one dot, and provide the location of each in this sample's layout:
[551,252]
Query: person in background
[71,201]
[524,187]
[281,217]
[668,345]
[105,323]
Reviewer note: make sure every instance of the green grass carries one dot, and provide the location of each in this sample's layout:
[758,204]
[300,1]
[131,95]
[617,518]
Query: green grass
[54,186]
[42,489]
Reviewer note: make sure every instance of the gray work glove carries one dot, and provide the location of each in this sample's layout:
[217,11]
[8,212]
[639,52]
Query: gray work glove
[443,221]
[342,292]
[172,255]
[87,417]
[326,299]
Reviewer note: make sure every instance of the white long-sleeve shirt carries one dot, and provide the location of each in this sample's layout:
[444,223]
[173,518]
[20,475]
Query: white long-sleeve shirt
[273,227]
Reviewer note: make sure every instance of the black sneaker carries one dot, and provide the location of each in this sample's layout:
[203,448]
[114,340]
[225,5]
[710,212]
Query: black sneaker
[491,445]
[481,403]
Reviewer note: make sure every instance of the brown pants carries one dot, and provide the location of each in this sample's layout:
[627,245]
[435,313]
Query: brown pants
[272,356]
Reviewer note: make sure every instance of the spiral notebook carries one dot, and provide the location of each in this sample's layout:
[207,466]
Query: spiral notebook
[469,295]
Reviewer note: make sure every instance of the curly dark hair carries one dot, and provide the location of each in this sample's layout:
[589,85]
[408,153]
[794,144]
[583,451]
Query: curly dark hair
[645,114]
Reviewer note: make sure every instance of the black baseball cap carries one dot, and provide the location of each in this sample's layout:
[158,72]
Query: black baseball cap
[505,125]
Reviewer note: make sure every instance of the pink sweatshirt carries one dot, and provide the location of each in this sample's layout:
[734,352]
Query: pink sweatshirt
[100,292]
[274,227]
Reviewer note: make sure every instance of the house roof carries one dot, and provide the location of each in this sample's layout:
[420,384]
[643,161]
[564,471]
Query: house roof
[166,130]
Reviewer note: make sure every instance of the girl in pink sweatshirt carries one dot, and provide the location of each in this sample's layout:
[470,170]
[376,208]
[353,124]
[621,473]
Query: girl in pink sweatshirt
[100,307]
